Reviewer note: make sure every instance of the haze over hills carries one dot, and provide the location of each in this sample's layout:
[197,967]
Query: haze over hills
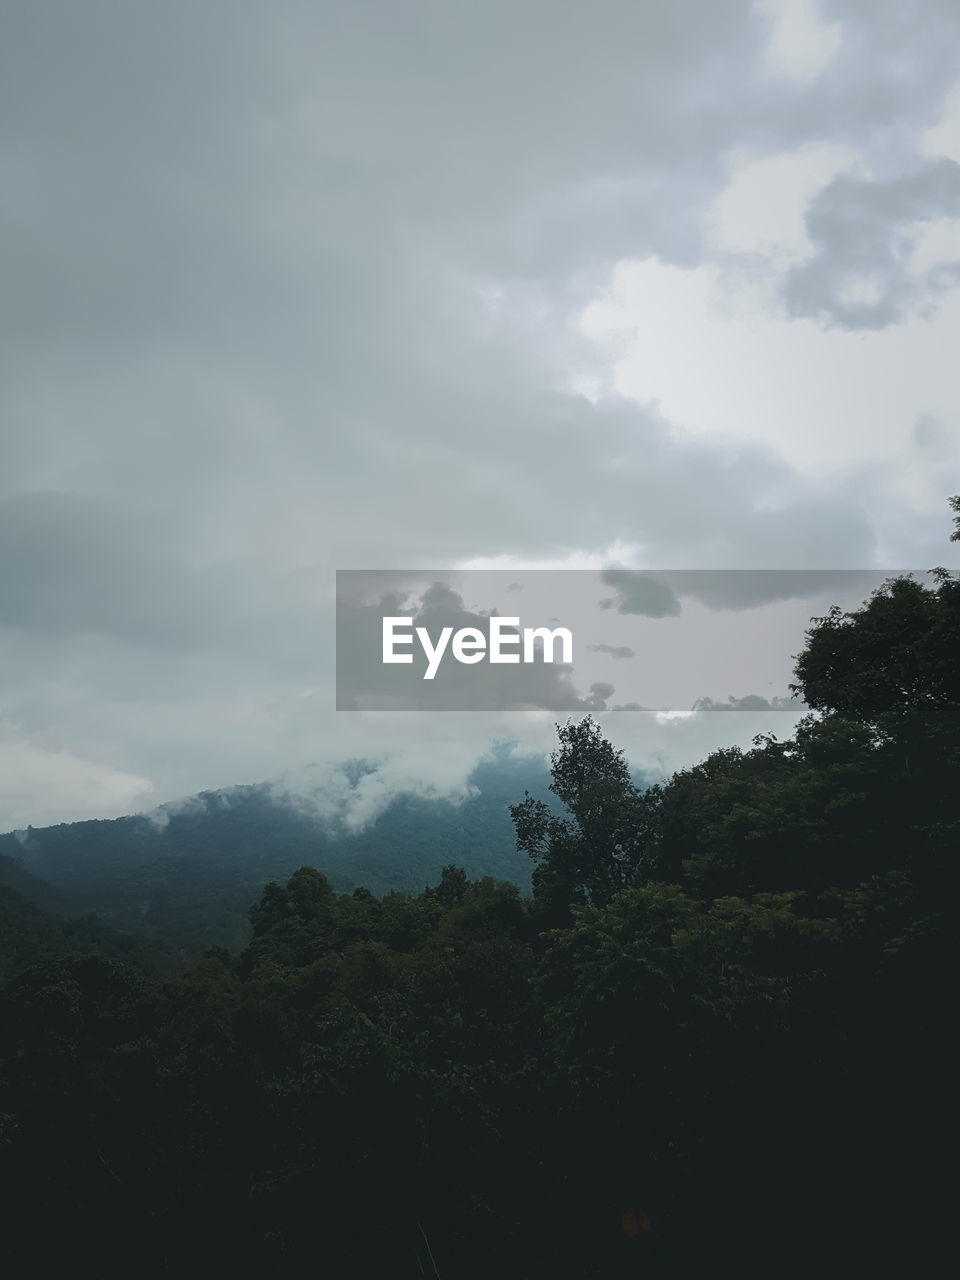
[187,874]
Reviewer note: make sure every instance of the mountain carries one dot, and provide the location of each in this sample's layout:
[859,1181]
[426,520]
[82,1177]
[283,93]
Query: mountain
[187,874]
[15,877]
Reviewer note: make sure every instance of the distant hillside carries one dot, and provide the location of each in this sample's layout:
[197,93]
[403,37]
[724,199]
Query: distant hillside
[191,882]
[13,875]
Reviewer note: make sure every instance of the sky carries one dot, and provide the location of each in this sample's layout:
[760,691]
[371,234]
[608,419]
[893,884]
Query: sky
[293,288]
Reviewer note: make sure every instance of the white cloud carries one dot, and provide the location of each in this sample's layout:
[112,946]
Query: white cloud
[828,401]
[943,139]
[761,210]
[713,348]
[937,242]
[42,787]
[800,43]
[618,553]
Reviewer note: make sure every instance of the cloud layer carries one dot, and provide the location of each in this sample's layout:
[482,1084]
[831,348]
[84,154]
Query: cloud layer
[294,288]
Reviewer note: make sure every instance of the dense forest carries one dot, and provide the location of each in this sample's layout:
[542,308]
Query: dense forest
[715,1039]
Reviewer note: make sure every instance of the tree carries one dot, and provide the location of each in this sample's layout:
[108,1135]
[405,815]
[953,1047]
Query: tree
[596,850]
[892,659]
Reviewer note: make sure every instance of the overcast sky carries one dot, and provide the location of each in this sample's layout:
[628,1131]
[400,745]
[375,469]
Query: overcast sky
[295,287]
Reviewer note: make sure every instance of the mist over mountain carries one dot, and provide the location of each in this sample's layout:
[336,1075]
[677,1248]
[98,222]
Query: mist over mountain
[187,873]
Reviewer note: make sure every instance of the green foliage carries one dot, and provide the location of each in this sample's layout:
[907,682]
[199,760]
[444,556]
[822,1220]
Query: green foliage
[891,661]
[596,850]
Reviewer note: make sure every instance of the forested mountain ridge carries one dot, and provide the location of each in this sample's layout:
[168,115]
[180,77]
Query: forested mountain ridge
[187,876]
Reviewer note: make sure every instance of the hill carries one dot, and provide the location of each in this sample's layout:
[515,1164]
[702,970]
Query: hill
[186,875]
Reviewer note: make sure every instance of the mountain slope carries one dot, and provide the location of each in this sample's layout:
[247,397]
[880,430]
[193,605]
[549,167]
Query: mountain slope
[188,875]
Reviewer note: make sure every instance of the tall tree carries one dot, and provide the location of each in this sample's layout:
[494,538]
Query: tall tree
[596,850]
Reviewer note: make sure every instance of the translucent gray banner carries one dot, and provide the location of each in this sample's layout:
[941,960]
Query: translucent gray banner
[670,641]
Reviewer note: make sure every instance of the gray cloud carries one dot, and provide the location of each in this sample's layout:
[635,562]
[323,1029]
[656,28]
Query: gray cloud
[641,593]
[750,702]
[659,595]
[294,288]
[612,650]
[862,231]
[738,589]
